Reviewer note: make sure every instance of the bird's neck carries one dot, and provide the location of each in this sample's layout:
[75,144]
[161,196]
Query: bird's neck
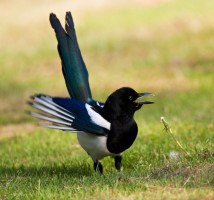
[113,113]
[123,127]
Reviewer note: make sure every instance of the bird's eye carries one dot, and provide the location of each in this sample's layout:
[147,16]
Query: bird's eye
[130,98]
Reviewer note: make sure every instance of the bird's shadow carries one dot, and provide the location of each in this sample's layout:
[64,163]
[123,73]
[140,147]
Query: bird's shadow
[72,171]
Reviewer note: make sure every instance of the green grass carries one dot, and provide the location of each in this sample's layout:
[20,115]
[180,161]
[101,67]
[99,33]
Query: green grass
[166,49]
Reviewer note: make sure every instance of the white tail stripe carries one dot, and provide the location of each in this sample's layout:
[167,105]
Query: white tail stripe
[51,112]
[64,128]
[36,99]
[49,100]
[50,119]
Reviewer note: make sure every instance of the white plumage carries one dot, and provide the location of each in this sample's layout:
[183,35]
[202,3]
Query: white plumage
[97,118]
[94,145]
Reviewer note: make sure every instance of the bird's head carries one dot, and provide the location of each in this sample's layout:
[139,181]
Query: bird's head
[124,100]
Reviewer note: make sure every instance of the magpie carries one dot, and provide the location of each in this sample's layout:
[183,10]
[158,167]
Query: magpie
[103,129]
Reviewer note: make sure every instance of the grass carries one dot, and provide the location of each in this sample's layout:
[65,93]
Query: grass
[165,48]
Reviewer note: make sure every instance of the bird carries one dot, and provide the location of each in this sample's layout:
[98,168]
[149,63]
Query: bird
[103,129]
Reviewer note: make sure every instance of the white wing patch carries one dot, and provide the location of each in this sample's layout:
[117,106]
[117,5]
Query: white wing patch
[97,118]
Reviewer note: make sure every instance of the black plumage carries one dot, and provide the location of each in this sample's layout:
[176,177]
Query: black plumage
[103,129]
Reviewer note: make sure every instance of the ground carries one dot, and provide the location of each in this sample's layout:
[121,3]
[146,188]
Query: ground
[163,47]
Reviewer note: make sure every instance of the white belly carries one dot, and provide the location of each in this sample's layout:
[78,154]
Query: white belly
[94,145]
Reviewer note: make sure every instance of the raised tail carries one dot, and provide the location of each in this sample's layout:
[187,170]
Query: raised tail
[73,66]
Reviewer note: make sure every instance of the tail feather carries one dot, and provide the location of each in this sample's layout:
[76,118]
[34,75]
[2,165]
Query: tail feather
[49,100]
[73,66]
[48,105]
[68,115]
[61,118]
[55,23]
[50,119]
[63,128]
[50,112]
[69,27]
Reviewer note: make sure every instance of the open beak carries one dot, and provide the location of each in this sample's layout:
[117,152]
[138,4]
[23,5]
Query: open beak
[143,95]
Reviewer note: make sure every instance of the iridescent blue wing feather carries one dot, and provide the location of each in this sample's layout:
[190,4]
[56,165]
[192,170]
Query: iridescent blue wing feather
[69,115]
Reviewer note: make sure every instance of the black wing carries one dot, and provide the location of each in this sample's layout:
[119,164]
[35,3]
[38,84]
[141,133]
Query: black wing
[69,115]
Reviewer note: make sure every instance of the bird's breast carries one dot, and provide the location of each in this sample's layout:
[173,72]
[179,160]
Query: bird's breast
[121,136]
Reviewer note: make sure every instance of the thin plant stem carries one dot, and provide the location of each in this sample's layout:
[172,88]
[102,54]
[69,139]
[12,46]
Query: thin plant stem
[168,129]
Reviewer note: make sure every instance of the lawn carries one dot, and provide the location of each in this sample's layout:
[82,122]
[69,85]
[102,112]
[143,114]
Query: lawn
[165,48]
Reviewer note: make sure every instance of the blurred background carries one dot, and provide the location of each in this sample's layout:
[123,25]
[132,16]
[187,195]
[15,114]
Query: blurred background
[160,46]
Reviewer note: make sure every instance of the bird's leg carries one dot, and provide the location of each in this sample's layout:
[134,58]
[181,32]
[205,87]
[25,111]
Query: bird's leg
[118,160]
[98,166]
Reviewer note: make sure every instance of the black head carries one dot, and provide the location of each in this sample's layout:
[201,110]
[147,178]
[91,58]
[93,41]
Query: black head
[125,100]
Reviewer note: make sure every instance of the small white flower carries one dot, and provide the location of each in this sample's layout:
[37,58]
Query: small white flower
[173,155]
[161,119]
